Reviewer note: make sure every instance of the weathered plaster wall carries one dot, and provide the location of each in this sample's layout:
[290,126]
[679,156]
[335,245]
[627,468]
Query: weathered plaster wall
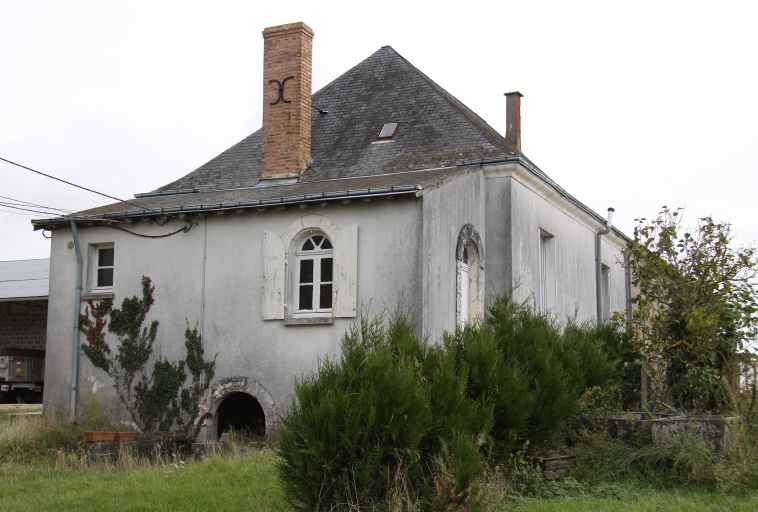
[499,276]
[265,351]
[406,258]
[573,287]
[446,209]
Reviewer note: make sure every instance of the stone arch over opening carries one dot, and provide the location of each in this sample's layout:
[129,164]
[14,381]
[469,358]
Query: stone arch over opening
[469,290]
[214,414]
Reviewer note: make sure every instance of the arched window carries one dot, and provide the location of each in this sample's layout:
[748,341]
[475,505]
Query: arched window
[470,276]
[315,274]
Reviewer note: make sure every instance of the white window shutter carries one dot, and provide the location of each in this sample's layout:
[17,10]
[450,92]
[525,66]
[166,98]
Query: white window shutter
[273,277]
[346,272]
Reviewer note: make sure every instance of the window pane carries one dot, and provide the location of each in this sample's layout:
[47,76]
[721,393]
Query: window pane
[105,257]
[306,271]
[105,277]
[306,297]
[308,245]
[317,240]
[325,297]
[326,270]
[327,244]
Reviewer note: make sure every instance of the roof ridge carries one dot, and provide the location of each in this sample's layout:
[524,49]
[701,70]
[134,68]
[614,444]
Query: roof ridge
[492,134]
[347,72]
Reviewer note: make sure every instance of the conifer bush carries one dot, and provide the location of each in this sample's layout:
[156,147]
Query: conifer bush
[530,371]
[395,421]
[387,421]
[157,398]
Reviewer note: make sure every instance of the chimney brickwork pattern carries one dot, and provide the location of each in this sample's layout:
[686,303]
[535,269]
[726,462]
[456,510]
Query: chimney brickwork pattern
[287,56]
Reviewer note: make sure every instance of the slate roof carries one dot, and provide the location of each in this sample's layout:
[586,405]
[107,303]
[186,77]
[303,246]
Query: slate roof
[24,279]
[405,183]
[434,129]
[437,137]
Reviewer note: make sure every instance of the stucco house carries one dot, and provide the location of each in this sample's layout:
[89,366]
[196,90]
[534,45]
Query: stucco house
[379,190]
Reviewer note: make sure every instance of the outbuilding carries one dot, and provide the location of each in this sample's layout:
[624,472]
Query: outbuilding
[23,328]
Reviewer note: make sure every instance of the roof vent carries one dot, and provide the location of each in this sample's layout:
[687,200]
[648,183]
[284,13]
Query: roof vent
[388,130]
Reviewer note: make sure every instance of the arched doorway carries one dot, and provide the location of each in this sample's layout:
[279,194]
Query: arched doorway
[242,413]
[469,276]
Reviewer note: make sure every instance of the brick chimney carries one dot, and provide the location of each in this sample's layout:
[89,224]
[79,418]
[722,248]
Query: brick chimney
[513,121]
[287,51]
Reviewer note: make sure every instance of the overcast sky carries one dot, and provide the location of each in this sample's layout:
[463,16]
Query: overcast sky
[632,106]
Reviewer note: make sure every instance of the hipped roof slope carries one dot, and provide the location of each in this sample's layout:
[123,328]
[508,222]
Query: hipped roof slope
[434,130]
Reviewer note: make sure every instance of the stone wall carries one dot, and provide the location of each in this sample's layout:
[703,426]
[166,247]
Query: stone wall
[23,324]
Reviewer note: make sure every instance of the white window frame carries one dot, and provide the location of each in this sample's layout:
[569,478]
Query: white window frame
[95,265]
[316,256]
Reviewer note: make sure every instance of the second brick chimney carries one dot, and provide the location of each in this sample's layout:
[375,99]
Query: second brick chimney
[287,51]
[513,121]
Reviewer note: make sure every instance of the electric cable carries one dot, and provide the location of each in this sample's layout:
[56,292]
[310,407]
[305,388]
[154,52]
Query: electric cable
[22,166]
[184,229]
[27,203]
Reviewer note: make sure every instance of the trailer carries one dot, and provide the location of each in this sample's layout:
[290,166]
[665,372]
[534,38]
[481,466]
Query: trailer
[22,374]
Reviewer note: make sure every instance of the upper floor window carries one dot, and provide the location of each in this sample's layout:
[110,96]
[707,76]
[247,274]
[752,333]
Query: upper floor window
[102,264]
[315,275]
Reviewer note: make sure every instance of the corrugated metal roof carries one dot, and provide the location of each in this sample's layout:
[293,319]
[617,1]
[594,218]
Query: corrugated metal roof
[24,279]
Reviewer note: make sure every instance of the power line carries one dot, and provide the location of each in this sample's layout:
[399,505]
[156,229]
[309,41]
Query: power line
[16,213]
[27,203]
[9,205]
[70,183]
[72,217]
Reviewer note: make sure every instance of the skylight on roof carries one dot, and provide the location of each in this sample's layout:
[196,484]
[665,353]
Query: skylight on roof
[388,130]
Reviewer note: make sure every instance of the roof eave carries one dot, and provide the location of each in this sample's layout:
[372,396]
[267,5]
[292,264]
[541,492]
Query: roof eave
[532,168]
[321,197]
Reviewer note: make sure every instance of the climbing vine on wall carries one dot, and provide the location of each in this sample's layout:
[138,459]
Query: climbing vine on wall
[157,398]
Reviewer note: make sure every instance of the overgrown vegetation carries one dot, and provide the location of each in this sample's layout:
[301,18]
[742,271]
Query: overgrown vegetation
[386,423]
[156,398]
[250,482]
[695,309]
[530,372]
[395,419]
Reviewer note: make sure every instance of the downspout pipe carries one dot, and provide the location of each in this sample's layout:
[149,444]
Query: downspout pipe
[75,352]
[599,264]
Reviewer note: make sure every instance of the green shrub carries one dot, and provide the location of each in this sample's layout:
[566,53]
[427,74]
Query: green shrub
[532,374]
[396,421]
[387,421]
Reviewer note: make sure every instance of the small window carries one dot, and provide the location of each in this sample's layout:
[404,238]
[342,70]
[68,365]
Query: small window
[105,266]
[388,130]
[315,275]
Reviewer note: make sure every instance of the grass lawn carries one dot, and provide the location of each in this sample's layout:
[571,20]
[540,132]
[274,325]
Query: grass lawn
[217,485]
[251,484]
[649,502]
